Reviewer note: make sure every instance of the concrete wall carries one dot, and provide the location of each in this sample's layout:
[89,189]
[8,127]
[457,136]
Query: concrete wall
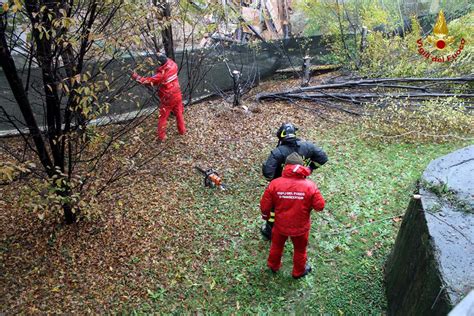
[431,267]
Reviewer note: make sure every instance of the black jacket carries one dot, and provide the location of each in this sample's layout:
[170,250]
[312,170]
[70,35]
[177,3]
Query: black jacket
[313,157]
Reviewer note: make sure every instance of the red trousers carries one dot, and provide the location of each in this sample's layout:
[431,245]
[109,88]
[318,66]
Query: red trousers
[299,253]
[165,110]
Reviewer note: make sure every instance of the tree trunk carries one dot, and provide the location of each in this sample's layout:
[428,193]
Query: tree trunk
[69,216]
[306,71]
[16,84]
[285,19]
[53,110]
[167,33]
[363,39]
[236,76]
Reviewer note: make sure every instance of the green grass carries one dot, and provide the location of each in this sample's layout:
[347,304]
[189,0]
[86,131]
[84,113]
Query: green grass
[364,184]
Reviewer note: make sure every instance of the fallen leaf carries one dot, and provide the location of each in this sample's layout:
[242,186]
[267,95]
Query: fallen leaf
[397,219]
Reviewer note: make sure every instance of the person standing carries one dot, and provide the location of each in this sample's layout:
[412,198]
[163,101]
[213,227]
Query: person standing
[169,93]
[313,157]
[291,197]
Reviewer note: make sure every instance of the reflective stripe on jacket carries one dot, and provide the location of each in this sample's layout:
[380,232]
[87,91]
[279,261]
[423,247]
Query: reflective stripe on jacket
[165,79]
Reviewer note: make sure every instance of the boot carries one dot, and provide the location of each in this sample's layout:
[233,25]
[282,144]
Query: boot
[266,231]
[307,269]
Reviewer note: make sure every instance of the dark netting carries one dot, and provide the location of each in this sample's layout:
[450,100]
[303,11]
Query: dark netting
[203,72]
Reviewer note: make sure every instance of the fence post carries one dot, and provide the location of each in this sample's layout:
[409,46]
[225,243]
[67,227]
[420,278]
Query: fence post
[236,76]
[306,71]
[363,39]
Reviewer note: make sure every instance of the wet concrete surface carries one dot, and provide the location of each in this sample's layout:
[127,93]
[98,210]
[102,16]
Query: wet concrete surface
[431,267]
[455,171]
[450,218]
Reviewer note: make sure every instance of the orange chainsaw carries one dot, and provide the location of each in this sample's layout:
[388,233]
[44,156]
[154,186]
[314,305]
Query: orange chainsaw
[211,178]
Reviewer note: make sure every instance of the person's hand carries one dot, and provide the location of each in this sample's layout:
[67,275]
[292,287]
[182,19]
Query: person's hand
[135,76]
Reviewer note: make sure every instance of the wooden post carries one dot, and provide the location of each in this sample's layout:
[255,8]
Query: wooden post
[363,39]
[236,76]
[306,71]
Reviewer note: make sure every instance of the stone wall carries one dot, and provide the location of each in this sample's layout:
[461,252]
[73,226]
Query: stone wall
[431,267]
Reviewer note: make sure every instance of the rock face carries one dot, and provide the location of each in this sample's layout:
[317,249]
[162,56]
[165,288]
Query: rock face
[431,267]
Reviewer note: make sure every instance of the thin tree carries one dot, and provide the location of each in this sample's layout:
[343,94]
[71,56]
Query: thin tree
[57,57]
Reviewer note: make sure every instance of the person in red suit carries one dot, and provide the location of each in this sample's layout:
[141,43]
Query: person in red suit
[169,92]
[291,197]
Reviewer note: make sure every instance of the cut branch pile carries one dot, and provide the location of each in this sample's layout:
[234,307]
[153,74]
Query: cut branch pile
[362,91]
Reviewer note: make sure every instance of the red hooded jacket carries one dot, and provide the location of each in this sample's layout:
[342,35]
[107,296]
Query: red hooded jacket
[292,197]
[166,77]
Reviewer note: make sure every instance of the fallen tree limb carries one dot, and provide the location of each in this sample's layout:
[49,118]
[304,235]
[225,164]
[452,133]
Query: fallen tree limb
[353,97]
[382,80]
[362,91]
[379,83]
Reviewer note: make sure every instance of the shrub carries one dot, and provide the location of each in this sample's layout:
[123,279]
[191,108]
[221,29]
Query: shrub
[437,120]
[399,57]
[395,56]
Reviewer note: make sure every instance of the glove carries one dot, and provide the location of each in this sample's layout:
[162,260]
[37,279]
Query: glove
[135,76]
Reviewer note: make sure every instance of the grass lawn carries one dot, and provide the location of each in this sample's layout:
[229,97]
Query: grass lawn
[162,243]
[367,187]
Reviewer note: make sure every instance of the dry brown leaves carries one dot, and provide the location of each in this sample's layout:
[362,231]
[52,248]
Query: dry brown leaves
[143,240]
